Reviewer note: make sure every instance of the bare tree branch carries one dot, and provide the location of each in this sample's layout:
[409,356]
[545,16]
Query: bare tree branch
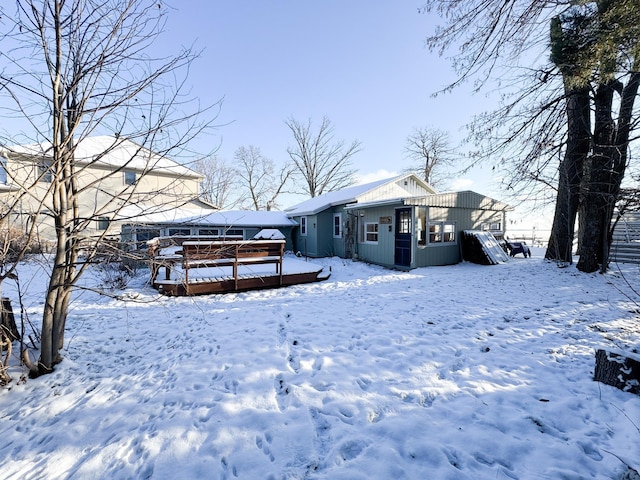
[72,69]
[431,152]
[323,164]
[260,178]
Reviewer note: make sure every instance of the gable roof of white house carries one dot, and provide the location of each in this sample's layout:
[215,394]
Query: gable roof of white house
[113,152]
[389,188]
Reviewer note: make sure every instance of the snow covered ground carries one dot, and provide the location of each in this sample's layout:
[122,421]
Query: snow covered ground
[460,372]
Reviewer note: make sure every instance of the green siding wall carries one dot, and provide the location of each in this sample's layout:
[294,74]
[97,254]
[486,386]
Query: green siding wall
[338,244]
[383,252]
[319,241]
[307,245]
[465,219]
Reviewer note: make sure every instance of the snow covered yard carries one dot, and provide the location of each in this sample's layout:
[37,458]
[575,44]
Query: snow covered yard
[461,372]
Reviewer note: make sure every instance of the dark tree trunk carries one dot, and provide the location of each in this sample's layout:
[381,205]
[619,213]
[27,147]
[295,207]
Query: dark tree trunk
[8,322]
[618,371]
[570,175]
[596,191]
[604,172]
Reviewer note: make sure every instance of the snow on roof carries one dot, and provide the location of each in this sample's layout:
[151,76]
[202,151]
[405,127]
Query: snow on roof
[248,218]
[339,197]
[269,234]
[114,152]
[202,216]
[161,214]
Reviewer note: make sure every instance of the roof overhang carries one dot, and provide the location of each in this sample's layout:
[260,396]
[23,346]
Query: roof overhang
[465,199]
[380,203]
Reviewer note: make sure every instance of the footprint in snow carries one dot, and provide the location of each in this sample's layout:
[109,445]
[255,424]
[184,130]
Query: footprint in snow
[263,444]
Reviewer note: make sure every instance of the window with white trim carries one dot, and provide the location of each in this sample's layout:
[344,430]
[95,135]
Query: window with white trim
[45,172]
[129,177]
[421,226]
[303,226]
[491,227]
[3,170]
[209,232]
[233,232]
[371,232]
[179,231]
[103,223]
[144,235]
[442,233]
[337,225]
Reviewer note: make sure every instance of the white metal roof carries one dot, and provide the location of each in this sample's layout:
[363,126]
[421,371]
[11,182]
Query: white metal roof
[201,216]
[347,195]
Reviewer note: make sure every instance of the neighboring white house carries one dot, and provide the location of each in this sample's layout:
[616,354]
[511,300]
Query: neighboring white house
[112,173]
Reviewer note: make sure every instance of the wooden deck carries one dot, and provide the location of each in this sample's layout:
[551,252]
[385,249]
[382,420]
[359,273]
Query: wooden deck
[197,267]
[224,282]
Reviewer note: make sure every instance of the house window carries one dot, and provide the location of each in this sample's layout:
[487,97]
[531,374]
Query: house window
[337,225]
[435,232]
[404,221]
[129,177]
[441,233]
[421,226]
[370,233]
[179,231]
[144,235]
[491,227]
[303,226]
[233,232]
[3,170]
[210,232]
[449,232]
[103,223]
[45,172]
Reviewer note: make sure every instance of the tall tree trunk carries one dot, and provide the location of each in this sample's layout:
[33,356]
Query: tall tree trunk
[570,174]
[596,181]
[605,171]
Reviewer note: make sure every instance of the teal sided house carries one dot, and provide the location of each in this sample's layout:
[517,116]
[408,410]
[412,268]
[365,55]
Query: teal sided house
[400,222]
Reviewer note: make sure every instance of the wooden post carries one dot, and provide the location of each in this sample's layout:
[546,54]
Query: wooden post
[618,371]
[279,264]
[235,266]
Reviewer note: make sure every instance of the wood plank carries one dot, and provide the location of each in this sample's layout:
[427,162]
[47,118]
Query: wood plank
[244,283]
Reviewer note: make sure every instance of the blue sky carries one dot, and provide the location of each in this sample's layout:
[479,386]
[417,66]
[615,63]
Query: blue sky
[361,63]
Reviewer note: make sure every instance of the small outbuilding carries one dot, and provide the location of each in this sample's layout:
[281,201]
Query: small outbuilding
[229,224]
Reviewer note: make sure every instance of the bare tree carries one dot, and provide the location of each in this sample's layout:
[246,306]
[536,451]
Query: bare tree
[73,68]
[260,178]
[323,164]
[431,152]
[218,183]
[579,108]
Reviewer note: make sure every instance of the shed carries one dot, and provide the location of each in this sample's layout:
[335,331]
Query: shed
[244,224]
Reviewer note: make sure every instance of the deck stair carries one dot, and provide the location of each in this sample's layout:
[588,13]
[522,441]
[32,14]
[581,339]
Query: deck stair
[625,245]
